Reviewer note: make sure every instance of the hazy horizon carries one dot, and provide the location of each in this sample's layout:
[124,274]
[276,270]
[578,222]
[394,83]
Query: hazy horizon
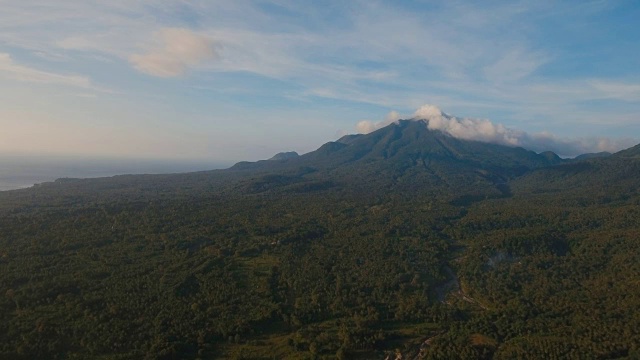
[22,171]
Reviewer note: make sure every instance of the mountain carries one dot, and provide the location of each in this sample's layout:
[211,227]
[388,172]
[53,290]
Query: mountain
[284,156]
[410,143]
[404,157]
[404,242]
[592,155]
[551,157]
[633,152]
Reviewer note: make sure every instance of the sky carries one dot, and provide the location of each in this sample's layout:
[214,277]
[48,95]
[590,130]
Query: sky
[243,80]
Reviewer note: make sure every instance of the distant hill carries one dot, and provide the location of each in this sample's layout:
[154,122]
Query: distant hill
[591,178]
[592,155]
[285,155]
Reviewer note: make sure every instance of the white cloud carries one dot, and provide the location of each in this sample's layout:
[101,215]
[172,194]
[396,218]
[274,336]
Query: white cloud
[427,112]
[367,126]
[176,50]
[392,116]
[466,128]
[10,69]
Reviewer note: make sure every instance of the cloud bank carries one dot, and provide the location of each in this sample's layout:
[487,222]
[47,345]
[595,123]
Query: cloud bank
[177,49]
[486,131]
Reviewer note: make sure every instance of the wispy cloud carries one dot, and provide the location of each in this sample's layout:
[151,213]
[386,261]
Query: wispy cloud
[617,90]
[514,65]
[587,89]
[449,43]
[12,70]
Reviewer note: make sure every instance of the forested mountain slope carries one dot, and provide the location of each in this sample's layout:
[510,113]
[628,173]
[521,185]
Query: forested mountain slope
[403,240]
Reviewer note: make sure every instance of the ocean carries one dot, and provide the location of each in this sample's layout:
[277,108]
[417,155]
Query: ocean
[18,172]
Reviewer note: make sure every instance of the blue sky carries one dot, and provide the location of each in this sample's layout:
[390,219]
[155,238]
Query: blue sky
[242,80]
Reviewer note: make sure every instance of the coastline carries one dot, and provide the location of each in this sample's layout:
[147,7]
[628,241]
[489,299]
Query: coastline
[25,172]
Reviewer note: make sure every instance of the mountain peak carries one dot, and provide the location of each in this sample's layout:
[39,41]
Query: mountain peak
[285,155]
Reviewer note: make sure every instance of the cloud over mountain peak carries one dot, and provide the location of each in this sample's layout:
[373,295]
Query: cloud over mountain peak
[486,131]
